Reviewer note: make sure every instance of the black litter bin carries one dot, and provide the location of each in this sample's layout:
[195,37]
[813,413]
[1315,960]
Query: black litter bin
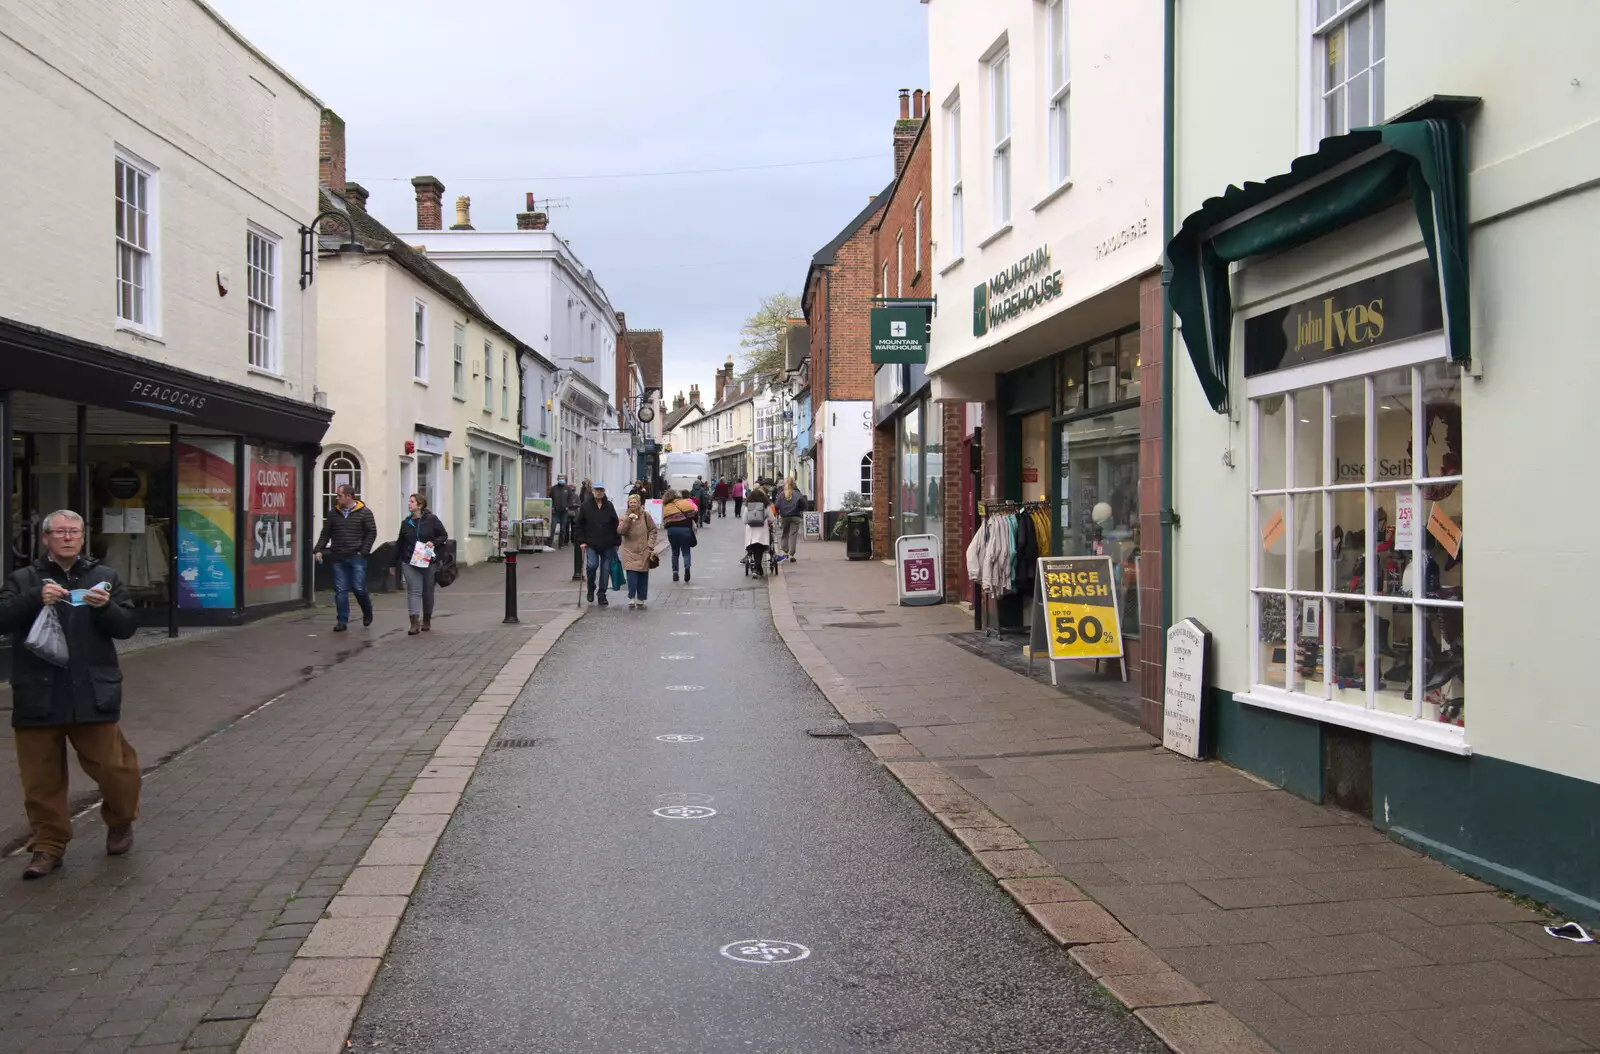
[858,535]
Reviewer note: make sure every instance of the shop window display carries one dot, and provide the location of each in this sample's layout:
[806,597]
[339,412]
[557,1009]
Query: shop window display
[1358,541]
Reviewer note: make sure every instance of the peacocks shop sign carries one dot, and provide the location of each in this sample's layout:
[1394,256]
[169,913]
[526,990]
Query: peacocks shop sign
[1025,285]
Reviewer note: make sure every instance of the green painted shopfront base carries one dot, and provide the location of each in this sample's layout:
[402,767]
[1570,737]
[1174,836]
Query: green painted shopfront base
[1533,832]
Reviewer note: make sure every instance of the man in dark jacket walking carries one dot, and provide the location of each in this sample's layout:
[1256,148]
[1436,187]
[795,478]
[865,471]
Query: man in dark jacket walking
[596,531]
[348,534]
[558,509]
[81,702]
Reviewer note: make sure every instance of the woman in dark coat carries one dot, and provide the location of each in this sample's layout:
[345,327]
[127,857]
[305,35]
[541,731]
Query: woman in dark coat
[420,530]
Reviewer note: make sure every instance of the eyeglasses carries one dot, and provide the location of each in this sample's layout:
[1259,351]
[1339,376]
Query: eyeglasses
[67,532]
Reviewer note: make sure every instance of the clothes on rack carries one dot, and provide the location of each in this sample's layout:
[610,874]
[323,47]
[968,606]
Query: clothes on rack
[1001,556]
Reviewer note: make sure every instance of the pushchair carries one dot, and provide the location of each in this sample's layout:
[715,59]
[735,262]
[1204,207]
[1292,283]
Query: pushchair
[770,557]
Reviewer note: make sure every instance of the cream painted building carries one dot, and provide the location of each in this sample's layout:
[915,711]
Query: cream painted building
[1352,396]
[1045,117]
[157,347]
[426,388]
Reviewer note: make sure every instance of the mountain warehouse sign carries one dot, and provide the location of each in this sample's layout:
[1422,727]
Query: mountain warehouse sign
[1023,286]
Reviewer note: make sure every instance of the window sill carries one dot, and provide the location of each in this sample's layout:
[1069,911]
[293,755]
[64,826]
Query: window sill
[1053,195]
[996,236]
[952,265]
[273,375]
[419,381]
[1447,738]
[139,331]
[459,398]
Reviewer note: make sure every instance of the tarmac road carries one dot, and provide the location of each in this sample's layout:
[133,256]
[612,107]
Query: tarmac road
[561,913]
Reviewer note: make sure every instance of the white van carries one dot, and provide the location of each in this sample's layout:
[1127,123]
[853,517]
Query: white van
[682,469]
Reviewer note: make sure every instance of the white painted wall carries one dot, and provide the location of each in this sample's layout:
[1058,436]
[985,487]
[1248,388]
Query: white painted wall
[846,429]
[234,141]
[1115,179]
[1528,422]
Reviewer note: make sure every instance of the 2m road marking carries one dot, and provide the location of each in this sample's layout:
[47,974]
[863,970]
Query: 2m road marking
[684,633]
[677,656]
[686,687]
[680,737]
[685,812]
[765,952]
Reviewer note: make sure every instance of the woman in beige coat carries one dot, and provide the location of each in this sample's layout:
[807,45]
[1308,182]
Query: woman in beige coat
[639,533]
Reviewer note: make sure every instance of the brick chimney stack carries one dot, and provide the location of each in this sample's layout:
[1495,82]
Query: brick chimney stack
[532,219]
[694,395]
[905,129]
[330,152]
[916,105]
[463,214]
[430,203]
[356,195]
[678,402]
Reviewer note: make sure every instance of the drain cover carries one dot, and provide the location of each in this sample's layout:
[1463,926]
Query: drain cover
[501,744]
[874,728]
[859,625]
[830,732]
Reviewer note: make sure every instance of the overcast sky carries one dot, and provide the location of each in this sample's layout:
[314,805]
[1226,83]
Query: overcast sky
[501,97]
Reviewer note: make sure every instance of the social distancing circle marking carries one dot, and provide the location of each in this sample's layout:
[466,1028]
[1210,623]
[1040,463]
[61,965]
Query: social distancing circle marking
[684,798]
[686,687]
[763,952]
[684,633]
[680,737]
[685,812]
[677,656]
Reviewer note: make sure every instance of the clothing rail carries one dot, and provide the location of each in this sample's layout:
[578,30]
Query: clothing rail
[988,610]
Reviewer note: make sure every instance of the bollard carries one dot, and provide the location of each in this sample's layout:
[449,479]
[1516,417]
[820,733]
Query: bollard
[511,588]
[577,561]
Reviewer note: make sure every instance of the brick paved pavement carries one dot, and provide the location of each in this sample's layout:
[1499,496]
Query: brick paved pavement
[245,837]
[1233,901]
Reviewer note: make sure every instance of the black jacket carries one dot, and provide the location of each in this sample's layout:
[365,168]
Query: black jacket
[428,529]
[596,525]
[89,689]
[559,495]
[348,534]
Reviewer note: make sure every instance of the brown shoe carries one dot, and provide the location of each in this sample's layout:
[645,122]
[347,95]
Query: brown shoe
[119,840]
[416,627]
[41,864]
[427,623]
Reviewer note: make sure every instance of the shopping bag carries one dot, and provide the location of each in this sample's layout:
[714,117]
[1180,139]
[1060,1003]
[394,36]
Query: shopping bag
[422,554]
[47,639]
[618,580]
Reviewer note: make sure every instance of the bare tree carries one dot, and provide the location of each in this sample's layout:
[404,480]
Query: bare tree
[764,332]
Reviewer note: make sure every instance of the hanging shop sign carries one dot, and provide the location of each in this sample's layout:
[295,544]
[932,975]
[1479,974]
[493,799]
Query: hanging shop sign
[1379,310]
[899,334]
[1025,285]
[916,558]
[1076,615]
[1187,644]
[537,444]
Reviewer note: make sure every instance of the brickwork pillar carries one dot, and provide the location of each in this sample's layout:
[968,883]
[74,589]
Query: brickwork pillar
[882,488]
[953,421]
[1152,633]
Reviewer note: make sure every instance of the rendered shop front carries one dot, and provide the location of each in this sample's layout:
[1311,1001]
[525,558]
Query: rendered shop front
[197,492]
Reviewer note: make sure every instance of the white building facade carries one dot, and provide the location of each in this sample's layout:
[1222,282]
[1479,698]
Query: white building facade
[157,345]
[1385,339]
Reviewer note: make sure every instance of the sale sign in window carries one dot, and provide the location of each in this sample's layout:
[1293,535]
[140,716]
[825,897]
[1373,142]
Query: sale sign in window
[272,565]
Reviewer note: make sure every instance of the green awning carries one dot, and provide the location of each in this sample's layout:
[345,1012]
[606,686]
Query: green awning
[1424,158]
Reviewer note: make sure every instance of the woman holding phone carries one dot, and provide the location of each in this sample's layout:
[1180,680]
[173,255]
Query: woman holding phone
[417,552]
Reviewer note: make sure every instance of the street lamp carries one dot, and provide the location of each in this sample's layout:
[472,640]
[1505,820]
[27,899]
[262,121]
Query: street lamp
[308,243]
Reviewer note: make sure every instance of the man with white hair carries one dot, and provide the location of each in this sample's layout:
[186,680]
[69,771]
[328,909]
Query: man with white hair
[80,702]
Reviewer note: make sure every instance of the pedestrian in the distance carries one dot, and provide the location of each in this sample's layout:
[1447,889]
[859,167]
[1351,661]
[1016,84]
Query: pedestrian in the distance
[757,529]
[719,494]
[737,490]
[701,494]
[348,534]
[80,703]
[791,505]
[417,552]
[596,531]
[558,511]
[678,516]
[639,535]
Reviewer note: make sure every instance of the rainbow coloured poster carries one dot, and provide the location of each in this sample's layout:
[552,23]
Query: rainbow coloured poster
[206,502]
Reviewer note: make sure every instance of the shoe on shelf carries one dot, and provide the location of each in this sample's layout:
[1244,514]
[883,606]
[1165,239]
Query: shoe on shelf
[119,840]
[340,627]
[41,864]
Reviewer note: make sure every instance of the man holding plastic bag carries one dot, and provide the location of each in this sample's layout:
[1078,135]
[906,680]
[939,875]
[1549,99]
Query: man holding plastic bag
[65,612]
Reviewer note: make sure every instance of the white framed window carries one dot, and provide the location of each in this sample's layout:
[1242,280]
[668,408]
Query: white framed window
[1000,127]
[958,214]
[885,290]
[505,385]
[136,236]
[900,263]
[1348,48]
[419,342]
[261,299]
[458,362]
[1357,592]
[866,477]
[488,376]
[1059,93]
[916,237]
[475,476]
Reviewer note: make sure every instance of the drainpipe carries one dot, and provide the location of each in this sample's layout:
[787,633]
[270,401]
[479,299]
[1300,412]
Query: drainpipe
[1169,518]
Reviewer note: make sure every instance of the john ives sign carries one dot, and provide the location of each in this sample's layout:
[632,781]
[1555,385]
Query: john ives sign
[1023,286]
[1380,310]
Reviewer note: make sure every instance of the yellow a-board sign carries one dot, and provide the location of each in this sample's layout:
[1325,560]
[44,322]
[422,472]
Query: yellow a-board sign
[1081,615]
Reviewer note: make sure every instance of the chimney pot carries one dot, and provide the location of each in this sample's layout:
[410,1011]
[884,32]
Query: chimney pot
[463,214]
[905,104]
[430,203]
[530,201]
[356,195]
[330,152]
[916,104]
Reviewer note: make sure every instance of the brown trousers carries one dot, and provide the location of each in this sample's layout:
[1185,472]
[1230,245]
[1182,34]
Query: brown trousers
[104,753]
